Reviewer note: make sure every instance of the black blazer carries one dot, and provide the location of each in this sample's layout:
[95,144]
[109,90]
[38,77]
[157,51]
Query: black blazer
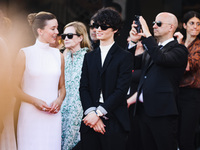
[161,74]
[112,79]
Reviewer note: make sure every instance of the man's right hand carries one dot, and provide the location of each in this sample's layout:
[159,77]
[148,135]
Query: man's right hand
[99,127]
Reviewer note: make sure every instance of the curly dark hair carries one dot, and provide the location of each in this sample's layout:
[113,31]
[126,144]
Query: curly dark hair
[110,17]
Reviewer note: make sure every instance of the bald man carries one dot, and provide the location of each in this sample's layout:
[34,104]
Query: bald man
[163,63]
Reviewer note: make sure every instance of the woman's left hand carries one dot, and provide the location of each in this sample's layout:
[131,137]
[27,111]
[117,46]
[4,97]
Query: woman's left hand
[55,106]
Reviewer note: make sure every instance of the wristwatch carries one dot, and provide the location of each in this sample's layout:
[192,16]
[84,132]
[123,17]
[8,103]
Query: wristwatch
[99,113]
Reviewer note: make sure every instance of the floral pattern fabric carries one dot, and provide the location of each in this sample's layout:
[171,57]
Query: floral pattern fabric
[71,108]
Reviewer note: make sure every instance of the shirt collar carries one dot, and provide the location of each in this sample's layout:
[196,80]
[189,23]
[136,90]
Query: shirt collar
[166,42]
[106,48]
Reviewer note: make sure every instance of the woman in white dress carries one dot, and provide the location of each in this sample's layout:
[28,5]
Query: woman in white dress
[40,87]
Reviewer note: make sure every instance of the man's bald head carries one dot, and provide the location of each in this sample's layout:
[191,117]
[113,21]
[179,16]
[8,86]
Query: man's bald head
[169,18]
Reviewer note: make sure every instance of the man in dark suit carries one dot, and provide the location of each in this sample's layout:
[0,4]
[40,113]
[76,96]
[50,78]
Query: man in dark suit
[106,75]
[162,68]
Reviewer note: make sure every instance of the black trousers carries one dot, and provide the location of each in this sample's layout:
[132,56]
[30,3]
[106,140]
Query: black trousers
[157,133]
[189,110]
[134,139]
[114,138]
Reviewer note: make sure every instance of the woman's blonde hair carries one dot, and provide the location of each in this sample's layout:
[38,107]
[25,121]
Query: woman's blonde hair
[80,29]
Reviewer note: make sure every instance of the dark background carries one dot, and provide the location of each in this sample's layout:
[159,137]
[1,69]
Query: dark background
[81,10]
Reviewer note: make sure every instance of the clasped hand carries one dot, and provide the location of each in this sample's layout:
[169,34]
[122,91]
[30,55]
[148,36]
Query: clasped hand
[95,122]
[42,105]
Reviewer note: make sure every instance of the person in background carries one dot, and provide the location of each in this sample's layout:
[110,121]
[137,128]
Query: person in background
[77,44]
[133,141]
[189,97]
[39,84]
[92,31]
[105,78]
[163,63]
[7,101]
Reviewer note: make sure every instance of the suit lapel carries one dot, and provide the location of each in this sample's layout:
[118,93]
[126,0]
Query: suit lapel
[98,59]
[168,46]
[148,62]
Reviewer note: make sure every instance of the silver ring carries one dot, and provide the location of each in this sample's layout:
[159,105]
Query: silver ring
[43,109]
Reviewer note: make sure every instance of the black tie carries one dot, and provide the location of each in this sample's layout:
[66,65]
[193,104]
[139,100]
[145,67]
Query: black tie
[160,46]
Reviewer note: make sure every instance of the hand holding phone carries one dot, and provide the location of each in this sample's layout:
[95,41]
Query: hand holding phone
[137,22]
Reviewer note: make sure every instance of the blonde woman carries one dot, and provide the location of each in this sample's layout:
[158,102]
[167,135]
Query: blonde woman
[77,43]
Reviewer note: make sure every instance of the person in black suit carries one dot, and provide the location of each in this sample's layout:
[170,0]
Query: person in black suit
[106,75]
[162,68]
[133,142]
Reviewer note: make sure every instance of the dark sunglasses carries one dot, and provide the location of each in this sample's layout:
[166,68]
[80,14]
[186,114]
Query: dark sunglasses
[102,26]
[69,35]
[158,23]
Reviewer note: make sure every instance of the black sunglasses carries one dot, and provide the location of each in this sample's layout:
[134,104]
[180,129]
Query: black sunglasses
[69,35]
[102,26]
[158,23]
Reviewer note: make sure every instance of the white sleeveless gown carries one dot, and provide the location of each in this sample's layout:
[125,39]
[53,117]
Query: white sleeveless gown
[39,130]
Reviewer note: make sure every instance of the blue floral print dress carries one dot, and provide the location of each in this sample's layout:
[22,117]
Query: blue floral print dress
[71,108]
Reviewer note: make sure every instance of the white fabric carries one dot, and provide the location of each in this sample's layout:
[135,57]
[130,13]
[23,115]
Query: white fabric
[104,51]
[39,130]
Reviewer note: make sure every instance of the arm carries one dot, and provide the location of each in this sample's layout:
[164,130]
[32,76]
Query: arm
[89,109]
[138,48]
[19,71]
[55,106]
[179,37]
[132,99]
[173,56]
[84,89]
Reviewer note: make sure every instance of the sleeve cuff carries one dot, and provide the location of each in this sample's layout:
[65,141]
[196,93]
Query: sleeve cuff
[103,111]
[89,110]
[131,45]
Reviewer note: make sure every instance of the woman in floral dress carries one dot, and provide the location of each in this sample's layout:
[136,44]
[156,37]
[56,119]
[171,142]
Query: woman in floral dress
[77,44]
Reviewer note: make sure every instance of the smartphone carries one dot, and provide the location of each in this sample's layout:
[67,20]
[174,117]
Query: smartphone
[137,22]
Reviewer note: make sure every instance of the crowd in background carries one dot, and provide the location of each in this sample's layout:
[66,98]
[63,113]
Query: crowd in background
[77,89]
